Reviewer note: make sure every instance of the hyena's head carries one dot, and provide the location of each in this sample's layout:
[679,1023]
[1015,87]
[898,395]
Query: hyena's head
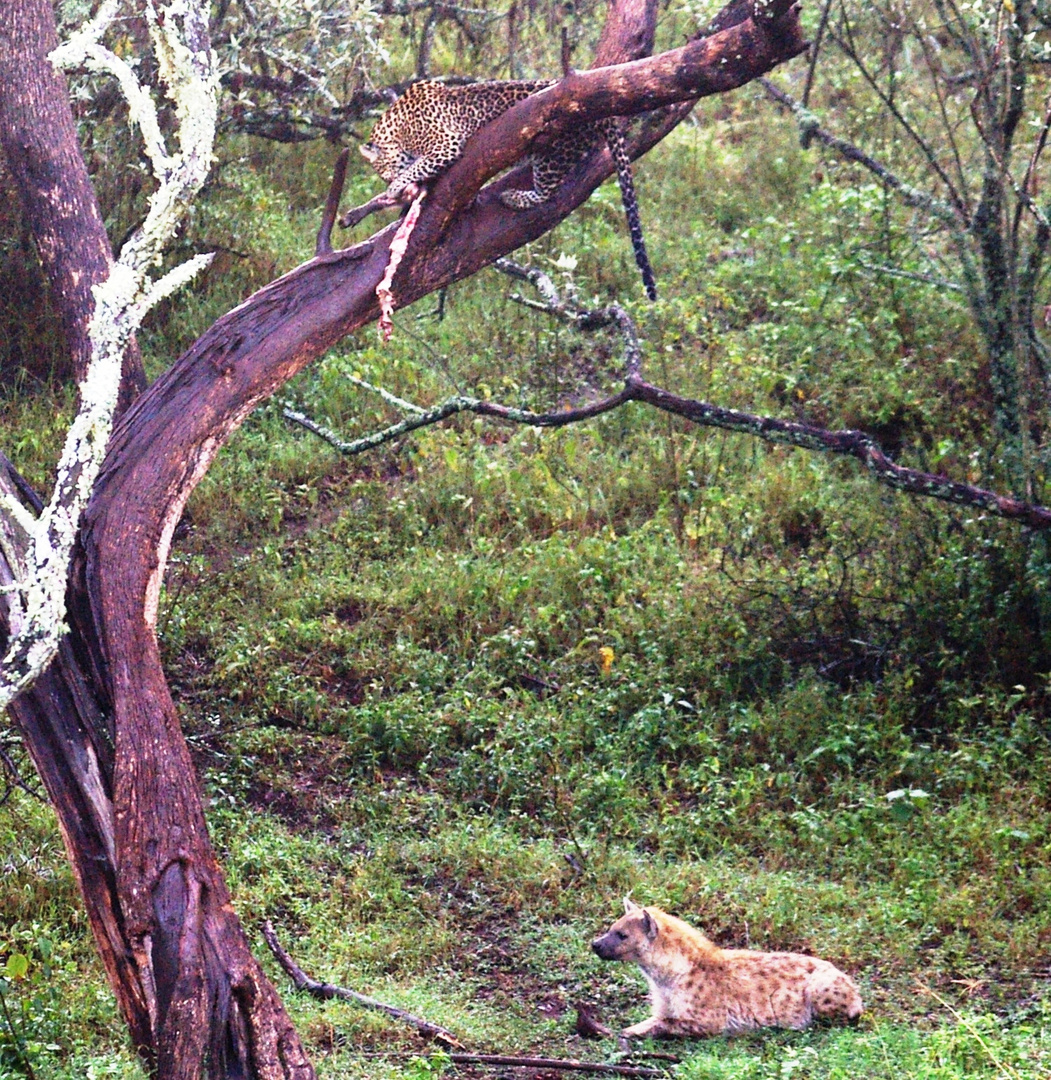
[630,938]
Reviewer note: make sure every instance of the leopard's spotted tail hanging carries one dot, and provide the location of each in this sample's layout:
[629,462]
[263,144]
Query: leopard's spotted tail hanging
[615,140]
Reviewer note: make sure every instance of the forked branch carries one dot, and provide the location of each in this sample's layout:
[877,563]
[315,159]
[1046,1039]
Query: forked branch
[849,443]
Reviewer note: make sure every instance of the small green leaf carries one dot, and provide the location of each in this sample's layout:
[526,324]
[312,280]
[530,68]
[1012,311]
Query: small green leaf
[17,965]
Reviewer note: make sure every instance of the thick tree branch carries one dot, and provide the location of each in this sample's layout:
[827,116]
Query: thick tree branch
[707,65]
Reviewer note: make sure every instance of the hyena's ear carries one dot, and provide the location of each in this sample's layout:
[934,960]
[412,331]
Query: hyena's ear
[649,925]
[629,905]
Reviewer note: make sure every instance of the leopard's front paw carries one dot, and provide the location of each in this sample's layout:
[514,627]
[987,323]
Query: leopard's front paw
[403,191]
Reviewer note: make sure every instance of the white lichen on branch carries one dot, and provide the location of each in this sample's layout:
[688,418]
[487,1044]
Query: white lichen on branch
[179,35]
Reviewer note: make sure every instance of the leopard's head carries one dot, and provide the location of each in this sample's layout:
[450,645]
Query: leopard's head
[384,159]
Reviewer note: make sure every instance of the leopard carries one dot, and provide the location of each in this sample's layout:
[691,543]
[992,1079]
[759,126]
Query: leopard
[426,129]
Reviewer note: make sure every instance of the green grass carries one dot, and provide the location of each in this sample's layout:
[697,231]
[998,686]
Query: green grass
[824,724]
[466,922]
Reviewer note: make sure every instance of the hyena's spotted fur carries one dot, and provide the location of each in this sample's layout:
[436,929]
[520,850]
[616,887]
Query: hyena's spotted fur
[698,989]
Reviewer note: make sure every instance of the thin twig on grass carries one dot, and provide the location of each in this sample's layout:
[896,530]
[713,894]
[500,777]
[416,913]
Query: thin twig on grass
[325,991]
[560,1064]
[557,1063]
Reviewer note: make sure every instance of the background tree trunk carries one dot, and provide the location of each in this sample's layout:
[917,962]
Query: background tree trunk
[39,138]
[176,955]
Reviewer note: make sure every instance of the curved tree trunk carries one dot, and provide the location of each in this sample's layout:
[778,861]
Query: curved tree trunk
[39,139]
[175,953]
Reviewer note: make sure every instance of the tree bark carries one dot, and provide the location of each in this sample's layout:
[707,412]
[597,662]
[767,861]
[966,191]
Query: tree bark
[39,137]
[70,741]
[177,957]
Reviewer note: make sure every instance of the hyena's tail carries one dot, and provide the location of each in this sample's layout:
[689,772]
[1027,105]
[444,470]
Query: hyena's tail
[615,139]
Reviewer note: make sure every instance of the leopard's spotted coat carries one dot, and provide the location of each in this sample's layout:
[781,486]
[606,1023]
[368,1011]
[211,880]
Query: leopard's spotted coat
[425,130]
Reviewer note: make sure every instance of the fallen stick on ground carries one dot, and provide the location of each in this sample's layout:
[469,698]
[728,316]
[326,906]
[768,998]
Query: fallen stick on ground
[560,1064]
[325,991]
[557,1063]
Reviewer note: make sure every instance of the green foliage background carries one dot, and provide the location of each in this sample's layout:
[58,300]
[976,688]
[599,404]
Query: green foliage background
[824,725]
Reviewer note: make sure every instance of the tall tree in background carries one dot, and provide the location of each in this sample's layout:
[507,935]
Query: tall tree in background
[966,85]
[39,140]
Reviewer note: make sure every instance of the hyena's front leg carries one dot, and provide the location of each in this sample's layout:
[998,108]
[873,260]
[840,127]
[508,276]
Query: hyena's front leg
[652,1028]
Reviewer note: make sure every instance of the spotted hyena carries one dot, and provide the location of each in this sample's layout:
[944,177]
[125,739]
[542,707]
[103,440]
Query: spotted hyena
[697,989]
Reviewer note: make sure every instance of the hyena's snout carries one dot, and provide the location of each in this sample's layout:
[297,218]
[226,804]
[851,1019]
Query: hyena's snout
[605,947]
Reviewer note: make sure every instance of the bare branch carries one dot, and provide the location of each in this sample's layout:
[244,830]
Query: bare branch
[1034,160]
[849,443]
[452,406]
[854,444]
[810,128]
[582,318]
[815,51]
[939,82]
[851,51]
[561,1064]
[325,991]
[328,216]
[908,275]
[391,399]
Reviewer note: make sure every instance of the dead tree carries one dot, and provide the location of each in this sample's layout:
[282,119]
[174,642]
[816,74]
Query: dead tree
[103,728]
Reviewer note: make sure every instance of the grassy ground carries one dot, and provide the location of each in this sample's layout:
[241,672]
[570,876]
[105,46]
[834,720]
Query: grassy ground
[820,724]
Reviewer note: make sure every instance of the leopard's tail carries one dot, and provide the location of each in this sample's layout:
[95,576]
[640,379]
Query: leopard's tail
[615,139]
